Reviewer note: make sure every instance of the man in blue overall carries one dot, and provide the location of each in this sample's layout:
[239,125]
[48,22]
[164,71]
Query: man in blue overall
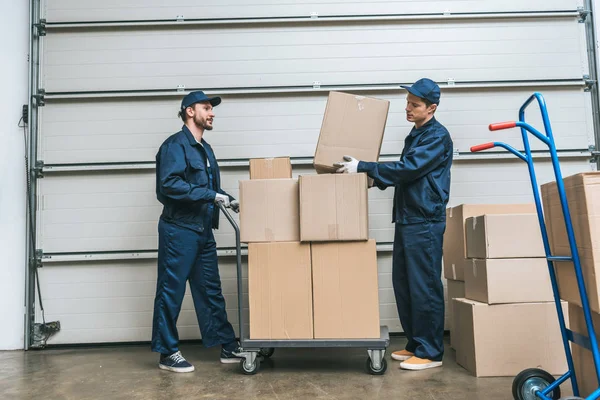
[188,185]
[421,180]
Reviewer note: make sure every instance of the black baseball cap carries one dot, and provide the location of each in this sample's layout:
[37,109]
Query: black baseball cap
[425,89]
[197,97]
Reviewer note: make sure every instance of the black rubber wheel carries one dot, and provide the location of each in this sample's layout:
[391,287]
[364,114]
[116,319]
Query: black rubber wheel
[374,371]
[530,381]
[266,352]
[249,369]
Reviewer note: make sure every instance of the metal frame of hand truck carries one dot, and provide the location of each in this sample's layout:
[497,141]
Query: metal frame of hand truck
[254,350]
[534,383]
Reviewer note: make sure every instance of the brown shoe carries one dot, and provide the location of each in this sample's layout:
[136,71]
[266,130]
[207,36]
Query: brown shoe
[417,364]
[402,355]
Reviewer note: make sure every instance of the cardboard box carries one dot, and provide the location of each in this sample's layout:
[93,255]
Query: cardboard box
[509,280]
[455,248]
[352,125]
[269,211]
[333,207]
[505,339]
[280,291]
[583,361]
[583,195]
[345,290]
[504,236]
[456,290]
[270,168]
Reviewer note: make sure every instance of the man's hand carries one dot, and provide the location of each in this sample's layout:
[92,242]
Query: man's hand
[350,166]
[222,199]
[235,206]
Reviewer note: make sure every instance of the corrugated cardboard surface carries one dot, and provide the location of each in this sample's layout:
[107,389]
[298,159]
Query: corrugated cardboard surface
[504,236]
[352,125]
[269,210]
[583,195]
[345,290]
[455,248]
[505,339]
[582,357]
[456,290]
[508,280]
[270,168]
[280,291]
[334,207]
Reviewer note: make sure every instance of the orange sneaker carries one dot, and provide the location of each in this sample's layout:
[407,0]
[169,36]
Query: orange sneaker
[402,355]
[417,364]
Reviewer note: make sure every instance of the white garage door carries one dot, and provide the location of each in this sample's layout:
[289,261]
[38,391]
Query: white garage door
[114,72]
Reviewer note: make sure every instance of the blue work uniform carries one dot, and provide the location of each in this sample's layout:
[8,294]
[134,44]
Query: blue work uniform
[422,186]
[187,181]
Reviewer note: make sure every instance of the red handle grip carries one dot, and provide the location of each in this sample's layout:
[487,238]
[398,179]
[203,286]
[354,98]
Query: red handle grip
[502,125]
[480,147]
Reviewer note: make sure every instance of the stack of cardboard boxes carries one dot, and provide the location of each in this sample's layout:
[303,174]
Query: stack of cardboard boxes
[583,196]
[312,270]
[506,320]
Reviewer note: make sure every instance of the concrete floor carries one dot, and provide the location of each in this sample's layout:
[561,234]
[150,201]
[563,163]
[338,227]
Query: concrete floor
[131,372]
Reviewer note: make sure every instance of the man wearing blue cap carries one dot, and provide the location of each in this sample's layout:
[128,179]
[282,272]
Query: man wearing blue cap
[421,180]
[188,185]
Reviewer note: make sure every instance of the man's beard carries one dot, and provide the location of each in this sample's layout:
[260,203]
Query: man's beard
[205,126]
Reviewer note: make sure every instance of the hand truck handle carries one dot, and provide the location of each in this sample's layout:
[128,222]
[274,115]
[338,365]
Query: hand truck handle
[483,146]
[502,125]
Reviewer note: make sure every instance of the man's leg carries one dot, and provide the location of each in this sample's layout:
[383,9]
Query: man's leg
[209,303]
[402,293]
[176,254]
[423,255]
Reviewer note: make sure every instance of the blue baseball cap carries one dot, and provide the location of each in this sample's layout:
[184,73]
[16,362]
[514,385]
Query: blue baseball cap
[425,89]
[196,97]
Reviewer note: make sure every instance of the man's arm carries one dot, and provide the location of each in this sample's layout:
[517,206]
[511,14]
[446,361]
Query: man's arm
[171,177]
[419,161]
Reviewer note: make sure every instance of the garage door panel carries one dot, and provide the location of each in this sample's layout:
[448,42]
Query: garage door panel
[66,52]
[99,228]
[112,301]
[276,125]
[87,10]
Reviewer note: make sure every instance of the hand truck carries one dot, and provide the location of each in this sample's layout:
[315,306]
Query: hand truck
[255,350]
[536,383]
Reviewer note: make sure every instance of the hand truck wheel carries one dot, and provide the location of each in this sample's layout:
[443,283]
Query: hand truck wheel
[528,382]
[376,371]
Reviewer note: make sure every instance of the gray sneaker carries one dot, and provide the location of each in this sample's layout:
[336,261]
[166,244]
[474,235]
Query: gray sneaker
[175,363]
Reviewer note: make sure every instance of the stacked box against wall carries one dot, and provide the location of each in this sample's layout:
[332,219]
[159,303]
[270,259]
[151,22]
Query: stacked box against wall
[583,198]
[508,297]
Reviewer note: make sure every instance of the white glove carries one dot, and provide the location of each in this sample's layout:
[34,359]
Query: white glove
[221,198]
[350,166]
[235,206]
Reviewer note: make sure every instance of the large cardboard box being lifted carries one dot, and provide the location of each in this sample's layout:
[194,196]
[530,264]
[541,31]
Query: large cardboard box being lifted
[280,291]
[352,125]
[504,236]
[582,358]
[583,195]
[509,280]
[333,207]
[455,248]
[269,211]
[270,168]
[345,290]
[505,339]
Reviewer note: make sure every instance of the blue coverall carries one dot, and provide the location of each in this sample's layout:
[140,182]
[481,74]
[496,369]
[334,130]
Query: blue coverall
[187,180]
[422,186]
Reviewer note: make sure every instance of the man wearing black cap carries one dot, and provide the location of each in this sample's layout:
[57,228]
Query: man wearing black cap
[188,185]
[422,185]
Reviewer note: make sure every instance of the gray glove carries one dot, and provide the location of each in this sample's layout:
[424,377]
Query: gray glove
[221,198]
[350,166]
[235,206]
